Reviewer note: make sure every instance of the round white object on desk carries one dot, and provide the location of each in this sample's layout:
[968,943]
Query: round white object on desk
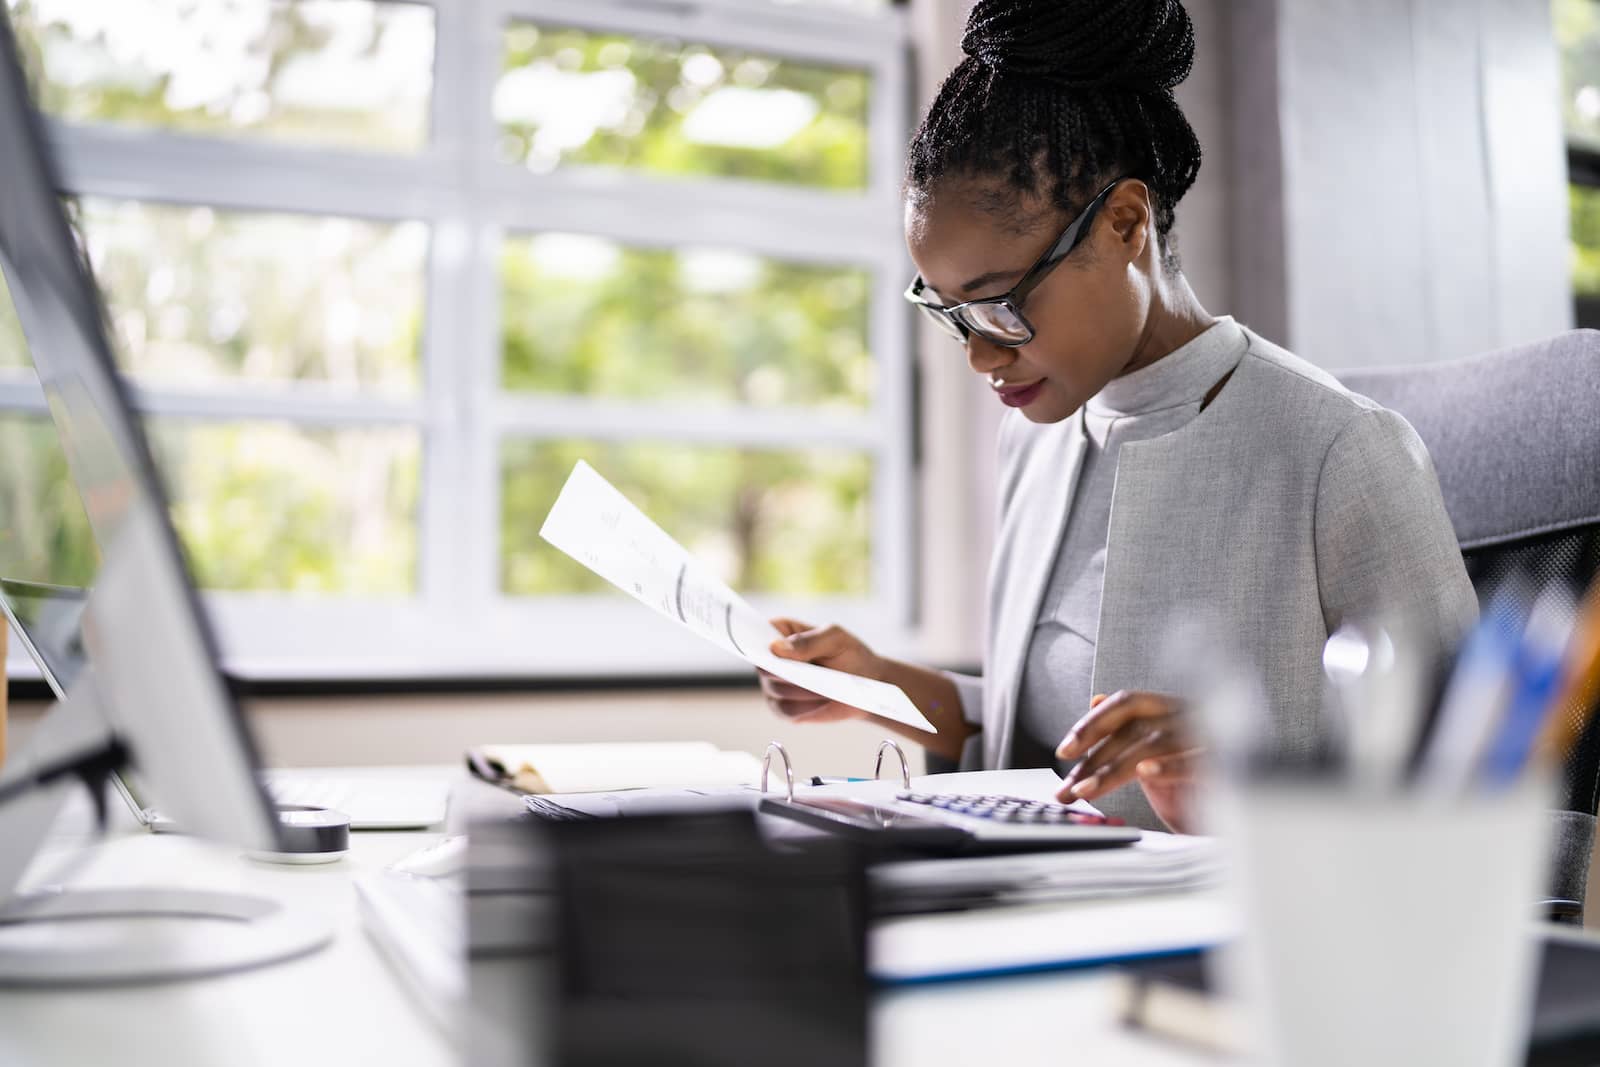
[309,835]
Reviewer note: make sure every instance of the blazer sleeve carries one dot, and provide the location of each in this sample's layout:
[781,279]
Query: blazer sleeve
[1383,539]
[970,688]
[1008,468]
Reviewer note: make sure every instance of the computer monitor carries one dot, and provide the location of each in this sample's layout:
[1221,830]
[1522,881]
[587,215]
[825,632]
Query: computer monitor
[151,680]
[48,619]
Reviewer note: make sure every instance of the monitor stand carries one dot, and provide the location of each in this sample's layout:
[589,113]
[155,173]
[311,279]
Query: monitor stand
[73,937]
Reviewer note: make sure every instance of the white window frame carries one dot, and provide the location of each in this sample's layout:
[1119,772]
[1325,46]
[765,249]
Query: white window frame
[459,623]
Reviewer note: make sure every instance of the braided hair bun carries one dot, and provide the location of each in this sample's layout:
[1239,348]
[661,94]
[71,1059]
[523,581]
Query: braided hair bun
[1059,97]
[1085,45]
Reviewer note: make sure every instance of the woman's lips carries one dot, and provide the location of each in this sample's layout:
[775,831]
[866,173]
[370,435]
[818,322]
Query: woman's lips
[1019,396]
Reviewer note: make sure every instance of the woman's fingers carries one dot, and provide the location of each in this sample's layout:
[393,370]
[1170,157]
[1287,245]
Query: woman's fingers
[1111,749]
[776,688]
[1113,774]
[789,700]
[813,643]
[1111,715]
[1177,768]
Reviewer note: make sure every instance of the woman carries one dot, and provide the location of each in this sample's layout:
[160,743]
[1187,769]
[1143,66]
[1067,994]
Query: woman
[1157,458]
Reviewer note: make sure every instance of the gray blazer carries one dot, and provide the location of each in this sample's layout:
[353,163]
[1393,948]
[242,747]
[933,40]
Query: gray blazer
[1288,506]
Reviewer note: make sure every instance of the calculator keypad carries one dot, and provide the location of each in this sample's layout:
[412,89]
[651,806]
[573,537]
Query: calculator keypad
[1008,809]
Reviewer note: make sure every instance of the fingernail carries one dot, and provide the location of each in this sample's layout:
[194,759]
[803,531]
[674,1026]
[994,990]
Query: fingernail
[1148,768]
[1086,786]
[1068,745]
[783,644]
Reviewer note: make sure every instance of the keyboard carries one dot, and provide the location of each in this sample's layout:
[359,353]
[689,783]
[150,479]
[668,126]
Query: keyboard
[372,804]
[419,924]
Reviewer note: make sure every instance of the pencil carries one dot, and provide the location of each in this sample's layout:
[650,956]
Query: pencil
[1579,690]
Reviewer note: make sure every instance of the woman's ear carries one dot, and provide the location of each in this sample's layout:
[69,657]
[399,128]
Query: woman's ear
[1129,212]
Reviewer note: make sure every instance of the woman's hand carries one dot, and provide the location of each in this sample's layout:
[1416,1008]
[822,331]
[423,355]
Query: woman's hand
[826,646]
[1129,737]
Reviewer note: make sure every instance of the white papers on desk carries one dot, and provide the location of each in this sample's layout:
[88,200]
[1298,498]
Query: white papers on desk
[600,528]
[995,941]
[1156,863]
[610,766]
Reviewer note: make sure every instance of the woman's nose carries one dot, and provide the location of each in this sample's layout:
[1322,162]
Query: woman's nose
[986,357]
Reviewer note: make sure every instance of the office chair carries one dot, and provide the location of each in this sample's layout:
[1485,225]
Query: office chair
[1515,438]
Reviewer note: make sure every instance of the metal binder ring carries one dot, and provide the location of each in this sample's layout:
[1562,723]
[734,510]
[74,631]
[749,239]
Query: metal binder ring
[788,769]
[905,768]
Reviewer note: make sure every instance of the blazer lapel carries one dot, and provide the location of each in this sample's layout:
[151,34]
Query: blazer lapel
[1029,539]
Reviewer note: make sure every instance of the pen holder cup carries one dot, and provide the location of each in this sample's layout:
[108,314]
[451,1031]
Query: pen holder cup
[5,633]
[1385,929]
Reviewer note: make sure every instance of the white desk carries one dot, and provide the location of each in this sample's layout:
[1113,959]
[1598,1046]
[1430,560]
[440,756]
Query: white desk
[344,1006]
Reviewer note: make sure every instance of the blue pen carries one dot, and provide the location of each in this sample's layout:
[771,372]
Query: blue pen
[1480,689]
[1536,678]
[826,779]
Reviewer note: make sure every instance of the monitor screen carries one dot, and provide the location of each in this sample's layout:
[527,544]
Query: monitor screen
[151,655]
[49,619]
[47,552]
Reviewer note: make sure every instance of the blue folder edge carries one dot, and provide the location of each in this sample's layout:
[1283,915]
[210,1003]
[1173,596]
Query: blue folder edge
[1074,964]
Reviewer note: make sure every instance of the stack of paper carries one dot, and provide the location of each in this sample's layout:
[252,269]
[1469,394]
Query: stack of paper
[1044,937]
[1157,863]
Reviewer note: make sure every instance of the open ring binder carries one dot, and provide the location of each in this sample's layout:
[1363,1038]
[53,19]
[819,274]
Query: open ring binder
[788,767]
[905,768]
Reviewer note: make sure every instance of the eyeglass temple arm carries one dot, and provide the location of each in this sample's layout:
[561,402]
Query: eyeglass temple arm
[1057,252]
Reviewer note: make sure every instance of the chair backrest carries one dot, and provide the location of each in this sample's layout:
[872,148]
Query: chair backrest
[1515,438]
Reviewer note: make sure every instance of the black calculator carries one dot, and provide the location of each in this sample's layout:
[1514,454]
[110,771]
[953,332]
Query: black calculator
[956,824]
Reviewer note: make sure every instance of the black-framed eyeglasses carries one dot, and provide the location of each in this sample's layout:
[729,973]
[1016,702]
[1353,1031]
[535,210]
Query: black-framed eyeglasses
[999,319]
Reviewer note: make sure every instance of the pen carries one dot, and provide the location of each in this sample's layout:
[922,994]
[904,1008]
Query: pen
[832,779]
[1579,696]
[1478,689]
[1537,675]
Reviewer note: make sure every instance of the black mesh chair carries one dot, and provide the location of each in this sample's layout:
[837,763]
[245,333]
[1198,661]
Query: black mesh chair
[1515,437]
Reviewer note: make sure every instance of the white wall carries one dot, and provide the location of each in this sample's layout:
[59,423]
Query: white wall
[1205,215]
[1403,176]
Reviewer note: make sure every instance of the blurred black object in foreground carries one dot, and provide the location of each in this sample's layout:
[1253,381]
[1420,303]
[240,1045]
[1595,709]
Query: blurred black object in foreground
[687,940]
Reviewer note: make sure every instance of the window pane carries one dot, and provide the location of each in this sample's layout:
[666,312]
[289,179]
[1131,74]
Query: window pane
[1585,204]
[44,533]
[13,346]
[572,96]
[347,73]
[588,316]
[274,507]
[1578,33]
[792,523]
[198,296]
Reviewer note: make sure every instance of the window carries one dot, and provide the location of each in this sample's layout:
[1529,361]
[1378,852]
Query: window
[381,271]
[1578,35]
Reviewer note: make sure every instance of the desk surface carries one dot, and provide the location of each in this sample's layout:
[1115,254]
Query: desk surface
[344,1006]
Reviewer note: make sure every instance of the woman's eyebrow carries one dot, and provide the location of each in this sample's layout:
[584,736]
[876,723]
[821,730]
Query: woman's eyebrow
[983,281]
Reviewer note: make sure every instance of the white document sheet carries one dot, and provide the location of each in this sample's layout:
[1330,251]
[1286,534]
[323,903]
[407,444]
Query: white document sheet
[1038,937]
[600,528]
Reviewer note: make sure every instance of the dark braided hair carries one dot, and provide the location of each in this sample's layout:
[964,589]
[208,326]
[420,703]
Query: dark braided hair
[1059,97]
